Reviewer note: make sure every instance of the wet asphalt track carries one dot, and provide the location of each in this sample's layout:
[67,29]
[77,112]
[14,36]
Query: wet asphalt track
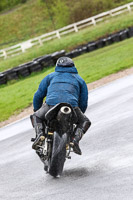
[103,172]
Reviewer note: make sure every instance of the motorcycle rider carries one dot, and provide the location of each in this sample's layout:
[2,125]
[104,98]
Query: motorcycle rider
[62,86]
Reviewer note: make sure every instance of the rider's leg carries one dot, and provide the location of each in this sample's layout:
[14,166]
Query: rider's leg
[39,129]
[83,125]
[37,121]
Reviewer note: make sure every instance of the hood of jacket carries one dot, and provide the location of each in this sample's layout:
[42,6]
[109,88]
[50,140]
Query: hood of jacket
[66,69]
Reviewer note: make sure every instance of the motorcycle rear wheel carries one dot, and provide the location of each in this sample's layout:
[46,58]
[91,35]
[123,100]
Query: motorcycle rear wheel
[58,155]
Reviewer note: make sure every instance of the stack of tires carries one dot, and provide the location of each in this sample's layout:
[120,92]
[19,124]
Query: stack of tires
[44,61]
[50,60]
[10,74]
[3,79]
[93,45]
[22,70]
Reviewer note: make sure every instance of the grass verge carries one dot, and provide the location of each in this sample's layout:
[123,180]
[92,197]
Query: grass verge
[37,17]
[91,67]
[70,41]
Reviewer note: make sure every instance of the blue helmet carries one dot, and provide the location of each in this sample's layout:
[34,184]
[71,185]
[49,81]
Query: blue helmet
[64,62]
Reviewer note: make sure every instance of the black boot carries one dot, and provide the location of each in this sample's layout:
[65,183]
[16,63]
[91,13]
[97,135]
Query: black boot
[39,137]
[78,135]
[82,126]
[38,125]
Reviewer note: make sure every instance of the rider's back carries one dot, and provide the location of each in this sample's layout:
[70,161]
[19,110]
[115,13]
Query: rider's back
[63,85]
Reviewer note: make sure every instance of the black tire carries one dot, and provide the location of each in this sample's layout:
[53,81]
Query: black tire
[58,154]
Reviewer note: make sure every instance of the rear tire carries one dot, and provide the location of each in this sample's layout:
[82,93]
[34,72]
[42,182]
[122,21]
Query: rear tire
[58,154]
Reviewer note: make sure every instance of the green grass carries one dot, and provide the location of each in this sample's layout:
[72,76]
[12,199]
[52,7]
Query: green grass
[70,41]
[16,96]
[25,21]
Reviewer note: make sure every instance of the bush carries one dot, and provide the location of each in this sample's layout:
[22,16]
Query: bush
[7,4]
[86,8]
[61,13]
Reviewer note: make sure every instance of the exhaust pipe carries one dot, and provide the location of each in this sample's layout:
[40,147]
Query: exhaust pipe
[64,114]
[65,110]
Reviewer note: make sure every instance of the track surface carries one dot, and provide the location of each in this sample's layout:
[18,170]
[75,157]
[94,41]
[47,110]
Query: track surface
[103,172]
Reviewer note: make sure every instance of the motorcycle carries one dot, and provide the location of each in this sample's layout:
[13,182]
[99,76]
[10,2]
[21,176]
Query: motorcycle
[56,144]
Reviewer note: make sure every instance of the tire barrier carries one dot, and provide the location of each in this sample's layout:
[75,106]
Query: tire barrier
[91,46]
[109,41]
[115,37]
[75,53]
[34,67]
[10,74]
[123,35]
[45,61]
[42,62]
[70,55]
[99,44]
[130,32]
[3,79]
[57,55]
[22,70]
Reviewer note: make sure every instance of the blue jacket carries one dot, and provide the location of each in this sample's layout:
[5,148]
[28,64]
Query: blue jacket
[64,85]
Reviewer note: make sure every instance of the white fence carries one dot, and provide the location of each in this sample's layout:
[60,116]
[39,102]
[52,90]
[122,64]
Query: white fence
[22,47]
